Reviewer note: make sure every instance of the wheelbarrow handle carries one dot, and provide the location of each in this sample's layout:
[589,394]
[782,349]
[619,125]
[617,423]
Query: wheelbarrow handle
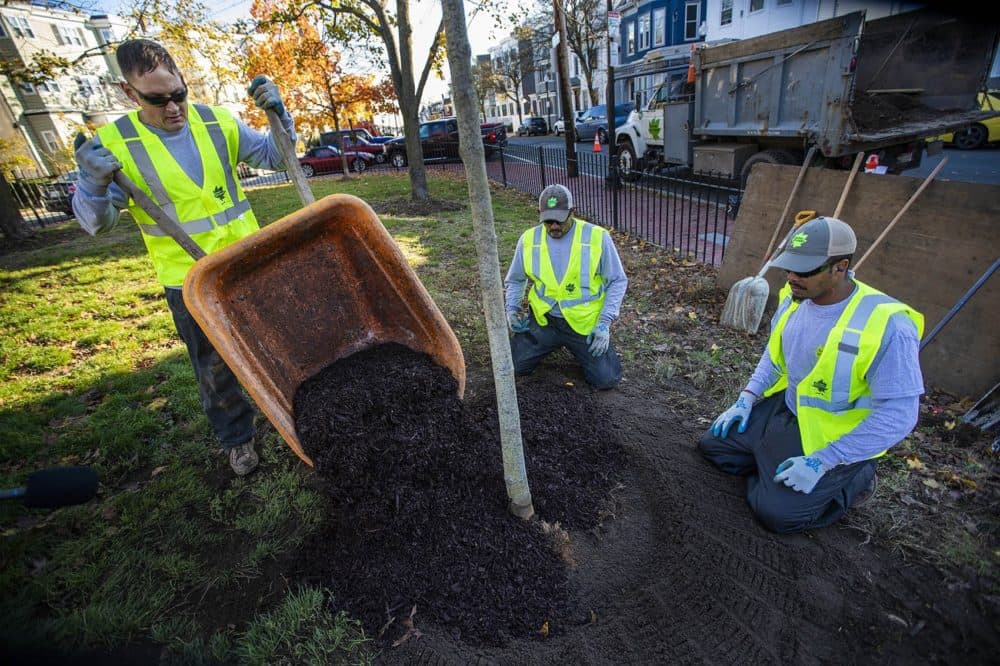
[164,221]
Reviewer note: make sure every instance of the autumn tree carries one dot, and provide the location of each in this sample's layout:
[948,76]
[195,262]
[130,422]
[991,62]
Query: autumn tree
[484,82]
[586,32]
[387,29]
[511,66]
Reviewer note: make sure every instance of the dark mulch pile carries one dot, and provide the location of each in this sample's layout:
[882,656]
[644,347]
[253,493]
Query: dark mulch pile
[419,508]
[874,112]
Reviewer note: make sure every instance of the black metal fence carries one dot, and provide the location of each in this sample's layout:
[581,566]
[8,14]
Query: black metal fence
[692,213]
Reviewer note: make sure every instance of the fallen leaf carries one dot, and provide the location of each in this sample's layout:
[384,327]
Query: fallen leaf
[913,462]
[931,483]
[157,471]
[157,404]
[898,620]
[692,315]
[949,425]
[544,631]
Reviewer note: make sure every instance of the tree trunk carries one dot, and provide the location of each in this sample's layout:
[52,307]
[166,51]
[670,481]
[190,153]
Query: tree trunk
[409,106]
[472,152]
[343,144]
[12,225]
[565,90]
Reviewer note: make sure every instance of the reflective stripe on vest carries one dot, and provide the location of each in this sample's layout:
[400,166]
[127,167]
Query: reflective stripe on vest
[840,371]
[582,311]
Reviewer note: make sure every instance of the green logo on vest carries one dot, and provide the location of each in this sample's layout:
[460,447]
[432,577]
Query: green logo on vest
[551,203]
[571,287]
[219,193]
[799,240]
[820,386]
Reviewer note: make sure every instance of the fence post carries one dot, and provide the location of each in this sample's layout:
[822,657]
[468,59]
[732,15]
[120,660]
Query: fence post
[541,165]
[503,166]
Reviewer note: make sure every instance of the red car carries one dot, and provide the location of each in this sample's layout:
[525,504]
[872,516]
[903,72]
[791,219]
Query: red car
[322,159]
[362,145]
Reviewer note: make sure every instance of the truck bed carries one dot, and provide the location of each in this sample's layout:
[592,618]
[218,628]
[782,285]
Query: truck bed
[846,84]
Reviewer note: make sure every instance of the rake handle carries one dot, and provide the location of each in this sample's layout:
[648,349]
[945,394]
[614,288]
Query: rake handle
[902,211]
[164,221]
[847,186]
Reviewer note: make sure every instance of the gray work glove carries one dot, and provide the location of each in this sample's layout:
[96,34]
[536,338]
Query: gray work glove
[517,323]
[739,412]
[266,95]
[599,339]
[95,163]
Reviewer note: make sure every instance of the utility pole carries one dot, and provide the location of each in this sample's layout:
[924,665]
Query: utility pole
[565,91]
[612,152]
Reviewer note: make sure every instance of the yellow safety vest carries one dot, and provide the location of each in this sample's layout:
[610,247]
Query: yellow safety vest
[214,214]
[580,295]
[835,396]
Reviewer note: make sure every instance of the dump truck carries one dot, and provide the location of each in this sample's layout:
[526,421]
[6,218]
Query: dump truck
[844,85]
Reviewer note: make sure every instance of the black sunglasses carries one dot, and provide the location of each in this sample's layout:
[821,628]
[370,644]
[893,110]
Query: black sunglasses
[163,100]
[555,221]
[809,274]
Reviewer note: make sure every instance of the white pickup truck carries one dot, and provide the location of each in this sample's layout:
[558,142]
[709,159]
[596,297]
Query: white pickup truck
[844,85]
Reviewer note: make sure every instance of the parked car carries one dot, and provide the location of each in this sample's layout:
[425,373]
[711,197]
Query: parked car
[332,138]
[57,196]
[595,121]
[358,143]
[981,133]
[533,125]
[439,141]
[559,126]
[323,159]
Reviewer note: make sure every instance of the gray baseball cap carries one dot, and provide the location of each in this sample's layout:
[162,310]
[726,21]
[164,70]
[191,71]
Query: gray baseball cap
[814,242]
[554,203]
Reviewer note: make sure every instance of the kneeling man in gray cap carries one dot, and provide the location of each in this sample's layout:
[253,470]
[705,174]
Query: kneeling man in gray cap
[575,285]
[838,385]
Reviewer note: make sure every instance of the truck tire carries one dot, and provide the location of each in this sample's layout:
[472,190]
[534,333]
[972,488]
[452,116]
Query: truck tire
[629,164]
[772,156]
[971,137]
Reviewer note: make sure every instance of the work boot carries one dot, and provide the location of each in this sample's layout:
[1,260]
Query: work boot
[243,459]
[868,492]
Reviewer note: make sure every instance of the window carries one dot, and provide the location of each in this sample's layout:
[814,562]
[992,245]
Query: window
[27,88]
[784,2]
[726,16]
[20,26]
[659,26]
[756,5]
[49,87]
[3,33]
[86,85]
[630,38]
[691,10]
[107,36]
[51,142]
[69,35]
[644,32]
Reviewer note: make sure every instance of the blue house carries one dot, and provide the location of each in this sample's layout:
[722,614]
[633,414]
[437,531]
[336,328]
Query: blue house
[649,26]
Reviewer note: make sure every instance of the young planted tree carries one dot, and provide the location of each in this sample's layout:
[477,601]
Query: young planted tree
[388,28]
[473,155]
[484,81]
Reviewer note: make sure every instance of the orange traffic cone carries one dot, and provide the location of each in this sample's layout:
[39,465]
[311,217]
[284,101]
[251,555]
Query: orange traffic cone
[597,142]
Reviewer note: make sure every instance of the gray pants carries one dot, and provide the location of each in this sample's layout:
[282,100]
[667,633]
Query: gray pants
[772,436]
[527,349]
[228,411]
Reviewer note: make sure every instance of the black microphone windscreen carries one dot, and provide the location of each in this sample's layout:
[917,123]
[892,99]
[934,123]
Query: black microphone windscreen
[60,486]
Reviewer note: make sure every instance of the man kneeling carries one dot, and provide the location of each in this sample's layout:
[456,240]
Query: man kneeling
[838,384]
[576,288]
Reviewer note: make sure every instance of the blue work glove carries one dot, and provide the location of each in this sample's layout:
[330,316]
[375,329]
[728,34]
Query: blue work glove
[599,339]
[265,94]
[740,411]
[95,163]
[801,473]
[517,323]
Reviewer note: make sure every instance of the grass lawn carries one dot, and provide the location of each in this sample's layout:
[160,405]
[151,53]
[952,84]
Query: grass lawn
[176,553]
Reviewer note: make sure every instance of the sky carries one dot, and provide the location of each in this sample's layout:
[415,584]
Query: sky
[482,34]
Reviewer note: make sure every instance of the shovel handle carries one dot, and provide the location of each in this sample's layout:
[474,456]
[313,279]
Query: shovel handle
[164,221]
[906,207]
[850,180]
[788,203]
[287,150]
[801,218]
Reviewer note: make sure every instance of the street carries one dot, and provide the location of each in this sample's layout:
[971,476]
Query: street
[973,166]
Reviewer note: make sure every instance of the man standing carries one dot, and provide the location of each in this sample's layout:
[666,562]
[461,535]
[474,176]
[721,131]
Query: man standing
[576,288]
[184,156]
[838,384]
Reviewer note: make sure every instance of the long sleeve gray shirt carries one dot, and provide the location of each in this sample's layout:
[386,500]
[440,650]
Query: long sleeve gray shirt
[609,267]
[894,378]
[98,209]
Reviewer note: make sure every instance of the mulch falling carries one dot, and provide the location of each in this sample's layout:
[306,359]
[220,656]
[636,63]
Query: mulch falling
[419,513]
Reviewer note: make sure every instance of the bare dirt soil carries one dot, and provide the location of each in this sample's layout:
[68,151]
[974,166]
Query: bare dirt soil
[659,560]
